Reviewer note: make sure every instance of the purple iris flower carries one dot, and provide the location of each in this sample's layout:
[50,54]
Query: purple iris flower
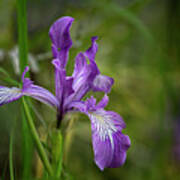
[109,143]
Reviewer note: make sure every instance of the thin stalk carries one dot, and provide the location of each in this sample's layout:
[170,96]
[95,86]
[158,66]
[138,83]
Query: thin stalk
[22,33]
[27,147]
[59,164]
[23,57]
[11,168]
[35,136]
[57,152]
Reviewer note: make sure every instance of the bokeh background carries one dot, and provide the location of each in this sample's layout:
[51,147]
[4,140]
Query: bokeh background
[139,46]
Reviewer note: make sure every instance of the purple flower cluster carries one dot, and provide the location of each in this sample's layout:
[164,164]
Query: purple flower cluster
[109,143]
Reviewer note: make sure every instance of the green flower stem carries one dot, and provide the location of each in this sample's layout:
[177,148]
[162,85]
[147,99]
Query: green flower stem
[11,168]
[59,165]
[36,139]
[57,152]
[23,59]
[22,34]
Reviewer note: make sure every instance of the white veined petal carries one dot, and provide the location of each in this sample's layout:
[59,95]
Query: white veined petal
[8,95]
[103,125]
[109,144]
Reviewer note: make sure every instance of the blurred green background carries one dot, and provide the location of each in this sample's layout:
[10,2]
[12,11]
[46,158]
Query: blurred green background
[139,46]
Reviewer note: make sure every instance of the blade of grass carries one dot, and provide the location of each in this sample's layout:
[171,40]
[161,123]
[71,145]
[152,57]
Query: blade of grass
[3,71]
[11,168]
[57,152]
[23,56]
[22,33]
[36,139]
[60,160]
[7,77]
[38,115]
[11,81]
[27,147]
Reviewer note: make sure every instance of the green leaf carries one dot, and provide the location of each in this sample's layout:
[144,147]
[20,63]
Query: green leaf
[57,152]
[11,168]
[35,136]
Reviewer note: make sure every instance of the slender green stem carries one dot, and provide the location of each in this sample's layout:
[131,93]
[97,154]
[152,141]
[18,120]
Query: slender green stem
[59,163]
[11,168]
[57,152]
[23,57]
[27,147]
[22,33]
[35,136]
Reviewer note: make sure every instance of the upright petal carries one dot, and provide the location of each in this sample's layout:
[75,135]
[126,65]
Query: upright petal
[91,52]
[61,39]
[83,77]
[60,75]
[59,32]
[63,83]
[68,90]
[103,103]
[101,82]
[80,64]
[8,95]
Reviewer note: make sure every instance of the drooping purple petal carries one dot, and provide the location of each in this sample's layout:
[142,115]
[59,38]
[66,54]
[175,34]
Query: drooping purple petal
[121,144]
[102,83]
[109,144]
[40,94]
[61,39]
[8,95]
[37,92]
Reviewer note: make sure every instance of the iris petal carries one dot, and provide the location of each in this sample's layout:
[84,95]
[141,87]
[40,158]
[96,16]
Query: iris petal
[91,52]
[8,95]
[63,83]
[109,144]
[83,77]
[37,92]
[102,83]
[40,94]
[61,39]
[60,75]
